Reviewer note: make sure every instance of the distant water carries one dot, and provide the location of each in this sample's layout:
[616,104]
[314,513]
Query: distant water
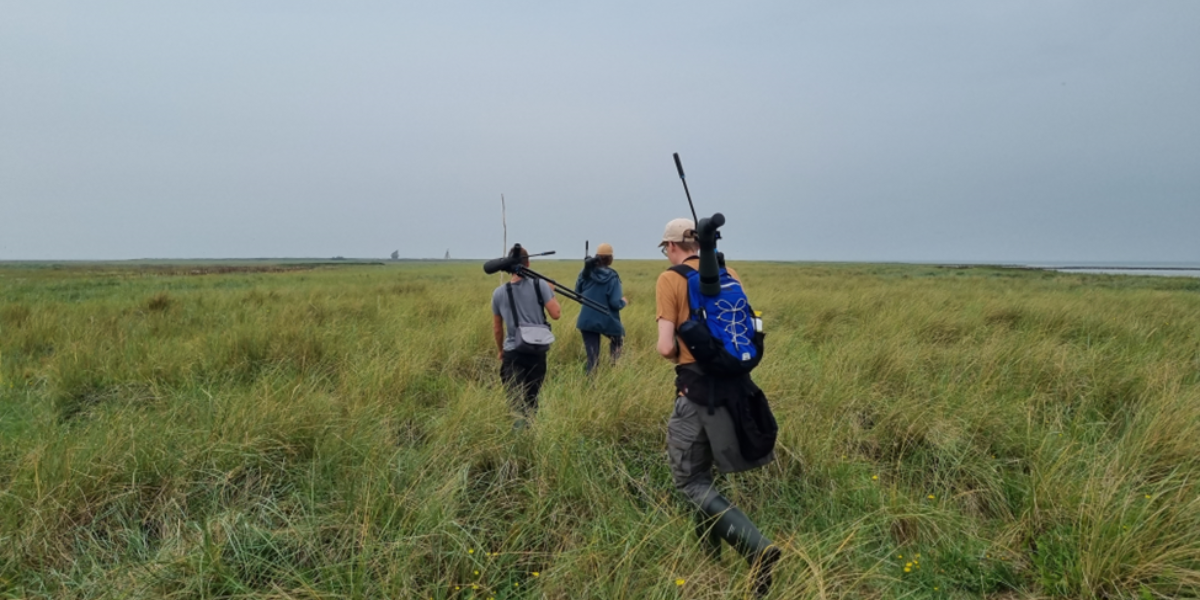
[1119,268]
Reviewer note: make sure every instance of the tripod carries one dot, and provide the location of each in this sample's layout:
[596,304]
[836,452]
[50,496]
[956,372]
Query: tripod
[566,292]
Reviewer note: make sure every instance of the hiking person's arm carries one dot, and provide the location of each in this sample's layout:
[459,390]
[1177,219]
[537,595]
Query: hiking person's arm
[616,301]
[666,340]
[551,305]
[498,332]
[554,309]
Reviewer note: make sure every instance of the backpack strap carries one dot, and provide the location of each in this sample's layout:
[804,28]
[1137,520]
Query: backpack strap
[686,272]
[682,269]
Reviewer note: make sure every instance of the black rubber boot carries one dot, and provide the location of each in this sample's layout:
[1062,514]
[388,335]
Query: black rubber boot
[733,526]
[706,531]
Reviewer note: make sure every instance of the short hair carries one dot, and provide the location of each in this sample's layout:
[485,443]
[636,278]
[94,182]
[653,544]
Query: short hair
[688,246]
[524,253]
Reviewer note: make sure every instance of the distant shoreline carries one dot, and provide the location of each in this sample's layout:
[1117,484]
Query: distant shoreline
[1078,268]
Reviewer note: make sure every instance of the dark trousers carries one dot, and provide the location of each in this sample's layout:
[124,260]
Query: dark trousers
[523,375]
[591,345]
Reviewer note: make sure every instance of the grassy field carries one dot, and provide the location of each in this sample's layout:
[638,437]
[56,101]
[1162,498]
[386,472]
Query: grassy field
[319,431]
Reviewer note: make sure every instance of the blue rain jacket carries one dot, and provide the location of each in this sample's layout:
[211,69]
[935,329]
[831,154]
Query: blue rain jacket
[603,286]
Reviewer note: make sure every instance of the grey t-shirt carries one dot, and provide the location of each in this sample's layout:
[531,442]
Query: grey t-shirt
[528,310]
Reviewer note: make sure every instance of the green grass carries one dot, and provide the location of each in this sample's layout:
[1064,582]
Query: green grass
[339,432]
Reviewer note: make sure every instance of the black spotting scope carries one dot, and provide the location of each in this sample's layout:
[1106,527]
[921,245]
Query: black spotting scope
[707,235]
[510,263]
[589,261]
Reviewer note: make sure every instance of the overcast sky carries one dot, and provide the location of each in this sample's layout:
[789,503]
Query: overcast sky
[1006,131]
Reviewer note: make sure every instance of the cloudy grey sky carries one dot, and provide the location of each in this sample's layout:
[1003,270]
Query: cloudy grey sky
[902,131]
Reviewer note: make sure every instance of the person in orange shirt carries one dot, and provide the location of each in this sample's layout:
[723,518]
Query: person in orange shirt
[699,438]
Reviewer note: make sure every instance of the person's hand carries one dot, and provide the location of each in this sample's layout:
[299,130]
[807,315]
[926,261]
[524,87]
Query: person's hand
[625,300]
[500,355]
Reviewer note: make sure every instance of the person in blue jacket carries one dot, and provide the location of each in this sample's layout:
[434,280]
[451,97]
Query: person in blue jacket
[600,283]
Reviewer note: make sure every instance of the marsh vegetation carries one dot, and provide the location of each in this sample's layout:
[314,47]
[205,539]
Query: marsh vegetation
[339,432]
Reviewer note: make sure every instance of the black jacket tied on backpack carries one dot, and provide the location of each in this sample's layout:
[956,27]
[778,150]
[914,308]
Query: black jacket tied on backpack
[719,377]
[748,408]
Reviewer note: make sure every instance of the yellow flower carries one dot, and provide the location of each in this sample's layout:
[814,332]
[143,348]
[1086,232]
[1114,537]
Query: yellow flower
[899,556]
[908,564]
[931,496]
[536,574]
[471,551]
[1147,496]
[907,570]
[874,478]
[935,589]
[680,582]
[476,572]
[918,555]
[474,586]
[516,585]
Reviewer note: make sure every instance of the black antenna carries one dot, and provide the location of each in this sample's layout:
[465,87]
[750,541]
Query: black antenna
[679,166]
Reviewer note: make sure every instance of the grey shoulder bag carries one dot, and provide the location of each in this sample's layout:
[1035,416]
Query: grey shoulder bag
[531,339]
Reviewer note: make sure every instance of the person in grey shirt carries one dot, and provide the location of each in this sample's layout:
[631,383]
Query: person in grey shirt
[522,372]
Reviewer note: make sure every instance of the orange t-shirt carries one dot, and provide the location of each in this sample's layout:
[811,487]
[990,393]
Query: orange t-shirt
[671,298]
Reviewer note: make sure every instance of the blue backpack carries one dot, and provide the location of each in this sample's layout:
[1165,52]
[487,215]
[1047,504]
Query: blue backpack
[723,334]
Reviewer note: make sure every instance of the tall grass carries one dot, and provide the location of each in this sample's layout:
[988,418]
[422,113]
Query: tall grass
[340,433]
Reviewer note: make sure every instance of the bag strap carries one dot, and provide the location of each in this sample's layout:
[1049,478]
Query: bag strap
[512,304]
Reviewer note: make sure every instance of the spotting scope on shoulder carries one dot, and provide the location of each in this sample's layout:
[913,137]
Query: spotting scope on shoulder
[515,263]
[589,261]
[707,234]
[511,263]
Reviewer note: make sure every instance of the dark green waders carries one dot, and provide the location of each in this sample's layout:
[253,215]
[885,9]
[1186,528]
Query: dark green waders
[719,520]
